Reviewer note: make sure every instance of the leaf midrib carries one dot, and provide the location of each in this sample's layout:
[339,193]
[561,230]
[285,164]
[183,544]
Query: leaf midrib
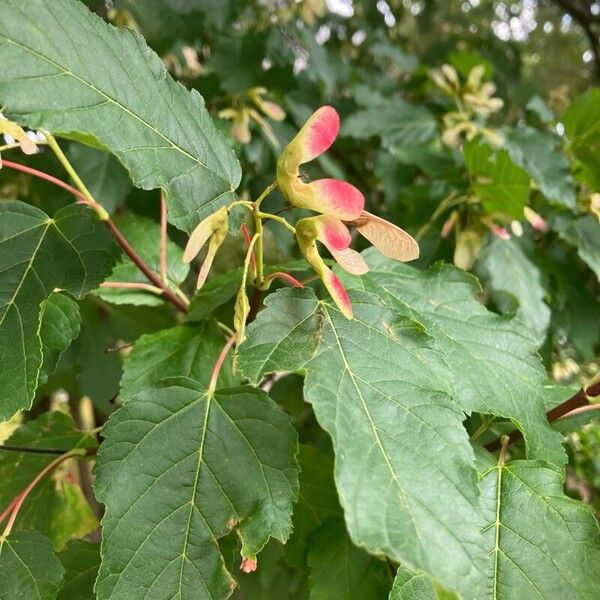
[115,102]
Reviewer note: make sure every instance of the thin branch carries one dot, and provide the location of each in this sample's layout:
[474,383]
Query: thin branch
[32,450]
[285,277]
[248,239]
[163,239]
[15,505]
[219,364]
[581,398]
[42,175]
[177,301]
[145,287]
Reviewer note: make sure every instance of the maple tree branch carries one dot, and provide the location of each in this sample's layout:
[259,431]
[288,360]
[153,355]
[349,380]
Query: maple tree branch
[166,292]
[581,398]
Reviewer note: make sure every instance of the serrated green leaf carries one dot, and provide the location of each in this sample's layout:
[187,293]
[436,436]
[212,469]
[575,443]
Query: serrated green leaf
[72,251]
[584,234]
[542,544]
[383,393]
[186,351]
[60,323]
[81,561]
[340,570]
[411,585]
[210,464]
[397,122]
[498,182]
[102,174]
[56,506]
[317,501]
[114,92]
[515,284]
[144,235]
[493,361]
[29,567]
[539,153]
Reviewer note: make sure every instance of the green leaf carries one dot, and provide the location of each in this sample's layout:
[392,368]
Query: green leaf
[410,585]
[214,293]
[340,570]
[317,501]
[539,153]
[107,333]
[584,234]
[582,122]
[382,392]
[144,235]
[210,464]
[185,350]
[103,175]
[81,561]
[72,251]
[542,543]
[60,323]
[29,567]
[113,92]
[397,122]
[222,288]
[56,506]
[513,277]
[500,184]
[493,361]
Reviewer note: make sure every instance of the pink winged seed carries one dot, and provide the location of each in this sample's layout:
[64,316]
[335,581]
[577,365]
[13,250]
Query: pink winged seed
[338,198]
[319,133]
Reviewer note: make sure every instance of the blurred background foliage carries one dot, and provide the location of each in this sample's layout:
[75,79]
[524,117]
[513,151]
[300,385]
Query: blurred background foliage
[473,125]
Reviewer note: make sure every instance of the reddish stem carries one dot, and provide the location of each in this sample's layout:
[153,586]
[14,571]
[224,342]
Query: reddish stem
[42,175]
[285,277]
[15,505]
[212,386]
[248,239]
[163,238]
[581,398]
[120,239]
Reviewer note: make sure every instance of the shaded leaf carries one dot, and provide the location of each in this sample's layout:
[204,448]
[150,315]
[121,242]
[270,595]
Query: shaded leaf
[584,234]
[72,251]
[143,234]
[185,350]
[56,506]
[29,567]
[493,360]
[113,92]
[397,122]
[317,501]
[513,277]
[539,153]
[340,570]
[60,323]
[542,543]
[382,392]
[502,186]
[103,175]
[81,561]
[411,585]
[210,463]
